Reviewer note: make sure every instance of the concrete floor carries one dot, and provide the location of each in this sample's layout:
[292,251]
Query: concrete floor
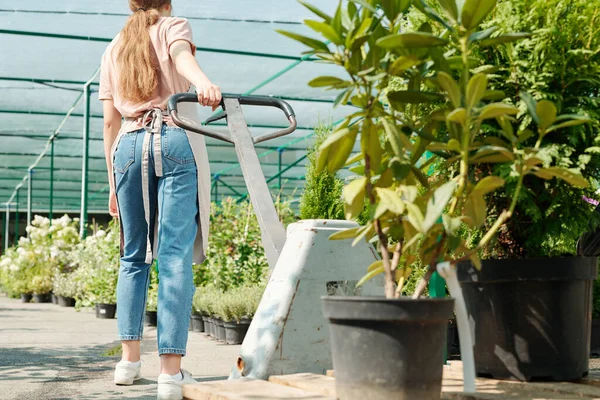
[50,352]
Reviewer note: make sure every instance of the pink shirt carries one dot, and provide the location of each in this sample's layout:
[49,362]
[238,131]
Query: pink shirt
[163,34]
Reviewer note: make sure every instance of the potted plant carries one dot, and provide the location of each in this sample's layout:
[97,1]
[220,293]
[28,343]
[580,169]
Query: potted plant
[417,96]
[239,309]
[151,317]
[64,289]
[199,313]
[41,284]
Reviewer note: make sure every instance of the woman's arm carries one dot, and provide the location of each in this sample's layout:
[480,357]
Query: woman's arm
[112,125]
[187,66]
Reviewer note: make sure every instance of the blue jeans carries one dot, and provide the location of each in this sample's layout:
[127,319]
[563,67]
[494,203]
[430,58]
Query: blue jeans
[175,196]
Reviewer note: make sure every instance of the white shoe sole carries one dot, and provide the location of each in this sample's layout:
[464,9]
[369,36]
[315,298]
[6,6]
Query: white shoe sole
[126,382]
[170,395]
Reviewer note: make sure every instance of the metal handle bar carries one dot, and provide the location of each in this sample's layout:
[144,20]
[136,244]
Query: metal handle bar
[263,101]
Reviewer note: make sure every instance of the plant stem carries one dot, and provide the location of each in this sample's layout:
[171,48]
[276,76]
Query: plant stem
[432,268]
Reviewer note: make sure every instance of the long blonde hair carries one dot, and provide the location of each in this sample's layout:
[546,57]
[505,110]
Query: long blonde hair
[137,60]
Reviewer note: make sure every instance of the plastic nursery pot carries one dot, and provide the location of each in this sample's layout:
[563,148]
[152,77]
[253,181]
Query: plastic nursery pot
[235,332]
[197,323]
[150,318]
[26,297]
[54,298]
[532,317]
[207,325]
[220,333]
[387,349]
[595,341]
[66,301]
[106,311]
[42,298]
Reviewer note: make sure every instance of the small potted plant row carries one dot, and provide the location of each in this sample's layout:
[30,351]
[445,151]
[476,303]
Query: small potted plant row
[226,316]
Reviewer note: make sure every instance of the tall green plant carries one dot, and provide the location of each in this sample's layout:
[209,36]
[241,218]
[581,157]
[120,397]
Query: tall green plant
[322,197]
[560,62]
[441,106]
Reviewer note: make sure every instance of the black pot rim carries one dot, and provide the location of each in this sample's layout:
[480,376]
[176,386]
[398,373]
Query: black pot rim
[233,324]
[529,269]
[375,308]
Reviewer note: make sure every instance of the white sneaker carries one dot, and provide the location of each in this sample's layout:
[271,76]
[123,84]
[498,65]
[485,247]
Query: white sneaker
[127,372]
[171,387]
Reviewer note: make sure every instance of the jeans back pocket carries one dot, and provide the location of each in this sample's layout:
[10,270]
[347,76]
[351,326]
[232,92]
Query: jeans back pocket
[124,155]
[176,146]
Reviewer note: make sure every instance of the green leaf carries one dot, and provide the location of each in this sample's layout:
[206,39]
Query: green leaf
[403,63]
[316,11]
[415,216]
[339,146]
[526,134]
[354,197]
[414,97]
[336,22]
[376,265]
[476,209]
[437,203]
[495,110]
[365,4]
[398,141]
[450,7]
[390,200]
[448,84]
[326,81]
[507,129]
[546,112]
[488,185]
[476,89]
[310,42]
[454,145]
[576,120]
[481,35]
[325,29]
[571,178]
[345,234]
[412,40]
[458,116]
[373,148]
[531,105]
[372,274]
[507,38]
[492,154]
[451,225]
[494,95]
[475,11]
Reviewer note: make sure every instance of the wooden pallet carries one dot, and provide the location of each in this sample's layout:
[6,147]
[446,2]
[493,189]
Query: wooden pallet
[318,387]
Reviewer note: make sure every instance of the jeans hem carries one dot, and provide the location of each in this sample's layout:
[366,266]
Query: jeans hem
[171,351]
[130,337]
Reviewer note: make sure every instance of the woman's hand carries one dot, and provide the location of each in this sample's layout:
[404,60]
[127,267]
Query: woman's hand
[113,208]
[209,95]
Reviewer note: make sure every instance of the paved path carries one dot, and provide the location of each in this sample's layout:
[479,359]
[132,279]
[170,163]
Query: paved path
[50,352]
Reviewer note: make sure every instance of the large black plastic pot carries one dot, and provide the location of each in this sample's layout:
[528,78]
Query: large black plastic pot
[26,297]
[532,317]
[197,323]
[66,301]
[42,298]
[387,349]
[54,298]
[595,341]
[220,333]
[151,318]
[106,311]
[235,332]
[207,325]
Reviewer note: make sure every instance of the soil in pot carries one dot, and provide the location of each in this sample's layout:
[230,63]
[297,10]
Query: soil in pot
[387,349]
[197,323]
[235,332]
[532,317]
[66,301]
[42,298]
[150,318]
[106,311]
[220,330]
[595,340]
[26,297]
